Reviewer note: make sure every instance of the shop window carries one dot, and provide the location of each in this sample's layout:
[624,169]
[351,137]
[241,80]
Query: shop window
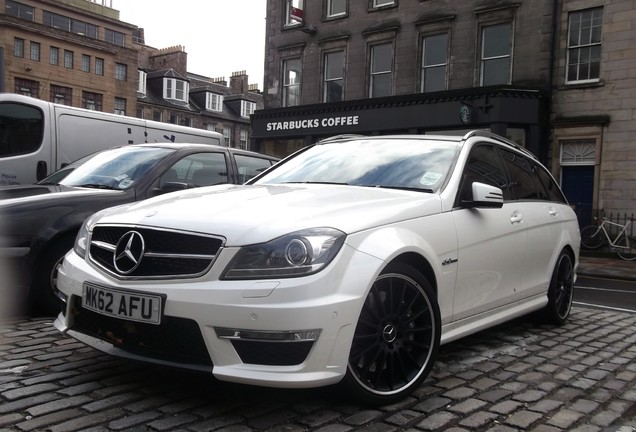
[294,12]
[381,73]
[496,54]
[585,29]
[334,76]
[291,82]
[434,62]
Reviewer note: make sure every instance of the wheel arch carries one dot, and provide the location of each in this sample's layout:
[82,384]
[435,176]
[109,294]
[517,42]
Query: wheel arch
[421,264]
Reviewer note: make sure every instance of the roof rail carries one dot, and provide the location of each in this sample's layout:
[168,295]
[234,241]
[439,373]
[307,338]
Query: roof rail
[494,136]
[341,137]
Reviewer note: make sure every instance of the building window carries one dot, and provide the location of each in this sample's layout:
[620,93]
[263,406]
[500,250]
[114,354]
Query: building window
[434,62]
[496,53]
[120,106]
[18,10]
[61,95]
[68,59]
[54,56]
[99,66]
[121,72]
[334,76]
[244,138]
[227,136]
[291,82]
[585,29]
[86,63]
[27,87]
[175,89]
[247,108]
[380,3]
[92,101]
[65,23]
[141,87]
[35,51]
[336,8]
[213,102]
[18,47]
[157,116]
[294,13]
[115,37]
[381,74]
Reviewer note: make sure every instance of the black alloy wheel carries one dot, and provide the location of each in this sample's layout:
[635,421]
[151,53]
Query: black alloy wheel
[561,290]
[396,339]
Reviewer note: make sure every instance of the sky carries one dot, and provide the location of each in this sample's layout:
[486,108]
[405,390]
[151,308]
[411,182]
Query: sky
[220,36]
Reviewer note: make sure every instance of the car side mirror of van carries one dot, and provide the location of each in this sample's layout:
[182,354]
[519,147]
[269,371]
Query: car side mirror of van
[484,195]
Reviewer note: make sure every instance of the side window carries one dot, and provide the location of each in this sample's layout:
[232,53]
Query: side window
[524,181]
[552,189]
[249,166]
[484,165]
[195,170]
[21,129]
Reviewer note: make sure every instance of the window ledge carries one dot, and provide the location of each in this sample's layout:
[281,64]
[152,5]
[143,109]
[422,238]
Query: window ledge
[582,85]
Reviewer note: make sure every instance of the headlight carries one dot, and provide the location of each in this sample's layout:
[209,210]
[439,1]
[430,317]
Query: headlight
[297,254]
[81,241]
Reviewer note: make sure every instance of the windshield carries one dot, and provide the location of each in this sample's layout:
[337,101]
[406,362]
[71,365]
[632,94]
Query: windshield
[401,163]
[116,169]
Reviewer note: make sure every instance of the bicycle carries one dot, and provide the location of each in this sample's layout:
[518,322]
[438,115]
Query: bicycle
[595,236]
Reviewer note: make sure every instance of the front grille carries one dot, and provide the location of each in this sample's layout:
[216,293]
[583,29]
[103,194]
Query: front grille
[177,340]
[272,353]
[159,253]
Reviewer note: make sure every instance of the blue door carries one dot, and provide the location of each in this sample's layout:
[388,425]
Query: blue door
[578,187]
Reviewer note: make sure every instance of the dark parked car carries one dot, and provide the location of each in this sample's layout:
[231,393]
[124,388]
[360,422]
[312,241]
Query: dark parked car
[38,223]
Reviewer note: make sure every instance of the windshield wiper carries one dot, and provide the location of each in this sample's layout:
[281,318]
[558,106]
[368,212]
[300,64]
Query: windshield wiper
[97,186]
[317,182]
[406,188]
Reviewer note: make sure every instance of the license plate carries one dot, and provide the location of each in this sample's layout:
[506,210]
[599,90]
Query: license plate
[124,304]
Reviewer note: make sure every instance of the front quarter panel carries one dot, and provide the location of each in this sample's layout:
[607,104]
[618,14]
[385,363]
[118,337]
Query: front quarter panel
[433,238]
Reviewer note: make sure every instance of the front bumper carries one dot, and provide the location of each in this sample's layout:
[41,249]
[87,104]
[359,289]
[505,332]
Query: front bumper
[292,332]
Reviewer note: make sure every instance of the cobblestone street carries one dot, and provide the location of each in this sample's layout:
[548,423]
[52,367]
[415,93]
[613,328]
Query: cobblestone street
[521,376]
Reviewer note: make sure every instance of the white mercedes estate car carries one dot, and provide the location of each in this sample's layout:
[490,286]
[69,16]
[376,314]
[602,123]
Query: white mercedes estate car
[348,262]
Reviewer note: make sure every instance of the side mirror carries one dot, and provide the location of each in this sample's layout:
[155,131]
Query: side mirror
[484,195]
[168,187]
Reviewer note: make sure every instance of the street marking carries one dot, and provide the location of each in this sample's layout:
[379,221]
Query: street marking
[604,307]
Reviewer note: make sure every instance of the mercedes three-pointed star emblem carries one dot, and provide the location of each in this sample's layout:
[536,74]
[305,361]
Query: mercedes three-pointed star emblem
[128,252]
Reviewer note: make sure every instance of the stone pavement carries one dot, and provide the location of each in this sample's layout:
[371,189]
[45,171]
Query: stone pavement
[520,376]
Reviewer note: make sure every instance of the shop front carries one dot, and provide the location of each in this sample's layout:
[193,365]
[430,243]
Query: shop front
[517,113]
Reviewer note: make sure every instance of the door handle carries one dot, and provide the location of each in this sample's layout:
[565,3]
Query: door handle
[516,218]
[553,212]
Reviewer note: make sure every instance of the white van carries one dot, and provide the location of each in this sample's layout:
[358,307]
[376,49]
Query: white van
[38,137]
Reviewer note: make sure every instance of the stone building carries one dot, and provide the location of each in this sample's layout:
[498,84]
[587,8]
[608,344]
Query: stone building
[421,66]
[78,53]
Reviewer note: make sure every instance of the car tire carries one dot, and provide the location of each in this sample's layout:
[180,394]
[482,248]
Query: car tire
[44,289]
[396,339]
[560,291]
